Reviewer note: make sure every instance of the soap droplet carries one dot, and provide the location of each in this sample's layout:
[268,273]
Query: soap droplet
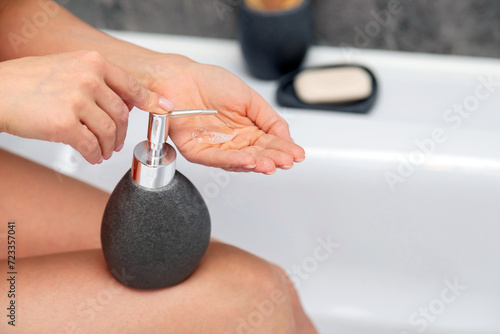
[214,134]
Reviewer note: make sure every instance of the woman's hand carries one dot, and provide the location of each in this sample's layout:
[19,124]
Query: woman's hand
[262,142]
[77,98]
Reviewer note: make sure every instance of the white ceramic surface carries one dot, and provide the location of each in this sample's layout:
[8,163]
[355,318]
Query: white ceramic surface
[422,256]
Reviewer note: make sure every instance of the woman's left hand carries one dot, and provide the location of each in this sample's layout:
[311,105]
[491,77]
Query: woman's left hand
[262,142]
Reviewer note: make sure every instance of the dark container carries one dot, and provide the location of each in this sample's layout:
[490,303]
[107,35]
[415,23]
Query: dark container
[154,238]
[274,43]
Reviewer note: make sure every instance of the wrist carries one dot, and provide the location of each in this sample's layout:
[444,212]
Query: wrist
[152,69]
[135,63]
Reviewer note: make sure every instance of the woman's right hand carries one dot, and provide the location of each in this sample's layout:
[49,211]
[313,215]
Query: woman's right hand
[77,98]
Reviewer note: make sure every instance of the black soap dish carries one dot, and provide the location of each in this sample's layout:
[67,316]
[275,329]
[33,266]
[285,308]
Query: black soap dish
[343,87]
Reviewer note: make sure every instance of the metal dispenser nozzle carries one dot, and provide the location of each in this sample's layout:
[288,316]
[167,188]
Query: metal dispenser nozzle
[153,165]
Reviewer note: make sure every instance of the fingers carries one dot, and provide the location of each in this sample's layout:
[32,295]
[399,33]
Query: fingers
[215,157]
[277,137]
[248,159]
[273,143]
[131,91]
[251,150]
[267,118]
[102,126]
[85,142]
[118,112]
[267,160]
[114,96]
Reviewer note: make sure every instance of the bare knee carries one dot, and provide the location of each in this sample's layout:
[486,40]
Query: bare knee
[255,293]
[270,307]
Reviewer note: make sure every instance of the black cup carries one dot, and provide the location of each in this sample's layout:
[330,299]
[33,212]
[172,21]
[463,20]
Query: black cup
[274,43]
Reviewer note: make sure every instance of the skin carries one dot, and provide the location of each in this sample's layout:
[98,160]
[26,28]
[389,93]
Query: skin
[263,141]
[77,98]
[73,84]
[64,286]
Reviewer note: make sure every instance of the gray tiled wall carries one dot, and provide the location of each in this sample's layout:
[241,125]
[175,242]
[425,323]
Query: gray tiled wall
[466,27]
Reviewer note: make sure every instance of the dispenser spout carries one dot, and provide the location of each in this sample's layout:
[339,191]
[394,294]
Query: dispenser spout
[158,126]
[153,165]
[157,131]
[191,112]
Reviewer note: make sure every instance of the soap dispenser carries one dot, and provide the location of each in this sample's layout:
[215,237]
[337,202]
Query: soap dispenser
[156,226]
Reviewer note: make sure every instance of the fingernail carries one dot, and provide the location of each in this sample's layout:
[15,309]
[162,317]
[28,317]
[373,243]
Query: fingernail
[165,104]
[286,166]
[100,160]
[299,160]
[119,147]
[250,166]
[271,172]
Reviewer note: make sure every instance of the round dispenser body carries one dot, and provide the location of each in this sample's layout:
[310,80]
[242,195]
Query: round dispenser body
[154,238]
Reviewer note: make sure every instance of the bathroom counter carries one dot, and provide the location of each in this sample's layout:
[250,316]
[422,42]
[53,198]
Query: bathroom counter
[401,203]
[416,91]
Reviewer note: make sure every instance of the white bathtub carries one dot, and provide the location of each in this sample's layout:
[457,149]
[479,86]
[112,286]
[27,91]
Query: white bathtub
[420,256]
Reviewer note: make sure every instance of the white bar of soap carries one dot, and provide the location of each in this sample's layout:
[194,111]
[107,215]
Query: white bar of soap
[333,85]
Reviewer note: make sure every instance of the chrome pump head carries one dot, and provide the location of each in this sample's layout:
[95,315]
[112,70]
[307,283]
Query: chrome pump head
[153,165]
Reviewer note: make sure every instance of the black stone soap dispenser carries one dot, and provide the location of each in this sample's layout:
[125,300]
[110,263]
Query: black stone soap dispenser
[156,225]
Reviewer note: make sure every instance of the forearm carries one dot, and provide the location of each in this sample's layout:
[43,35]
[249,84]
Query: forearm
[263,140]
[41,27]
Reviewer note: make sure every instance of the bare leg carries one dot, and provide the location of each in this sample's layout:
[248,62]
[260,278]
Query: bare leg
[230,292]
[51,215]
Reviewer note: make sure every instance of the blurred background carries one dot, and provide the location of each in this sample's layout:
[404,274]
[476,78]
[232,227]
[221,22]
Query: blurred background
[462,27]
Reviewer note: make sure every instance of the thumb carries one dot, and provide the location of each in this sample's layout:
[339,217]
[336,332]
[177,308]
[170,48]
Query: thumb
[154,103]
[133,93]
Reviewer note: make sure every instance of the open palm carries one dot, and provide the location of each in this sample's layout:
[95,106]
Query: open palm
[262,142]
